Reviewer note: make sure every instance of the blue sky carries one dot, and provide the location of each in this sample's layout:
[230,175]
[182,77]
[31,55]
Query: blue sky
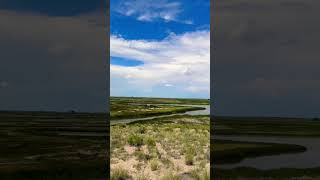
[160,48]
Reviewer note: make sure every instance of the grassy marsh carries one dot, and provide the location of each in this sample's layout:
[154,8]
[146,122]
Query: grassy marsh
[226,151]
[32,146]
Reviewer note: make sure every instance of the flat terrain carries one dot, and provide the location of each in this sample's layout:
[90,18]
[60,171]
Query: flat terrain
[123,107]
[178,145]
[175,147]
[42,145]
[147,100]
[226,151]
[266,126]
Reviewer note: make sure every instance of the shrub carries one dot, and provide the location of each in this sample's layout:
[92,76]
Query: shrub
[150,141]
[170,176]
[142,177]
[188,159]
[154,165]
[141,130]
[135,140]
[141,156]
[119,174]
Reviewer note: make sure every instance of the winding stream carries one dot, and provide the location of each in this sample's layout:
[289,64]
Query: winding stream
[205,111]
[308,159]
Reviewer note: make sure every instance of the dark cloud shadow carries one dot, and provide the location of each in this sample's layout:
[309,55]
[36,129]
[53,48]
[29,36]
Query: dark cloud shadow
[266,58]
[56,63]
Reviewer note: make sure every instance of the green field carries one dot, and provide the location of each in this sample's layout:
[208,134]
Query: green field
[49,145]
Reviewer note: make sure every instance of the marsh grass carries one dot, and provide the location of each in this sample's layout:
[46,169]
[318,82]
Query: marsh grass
[170,176]
[119,174]
[189,159]
[154,164]
[150,141]
[135,140]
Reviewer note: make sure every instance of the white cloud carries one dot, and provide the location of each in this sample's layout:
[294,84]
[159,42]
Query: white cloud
[149,10]
[181,60]
[168,85]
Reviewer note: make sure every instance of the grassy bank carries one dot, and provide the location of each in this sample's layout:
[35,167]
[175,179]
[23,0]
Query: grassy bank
[147,100]
[125,107]
[121,110]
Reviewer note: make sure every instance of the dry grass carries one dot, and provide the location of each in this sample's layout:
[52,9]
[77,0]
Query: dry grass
[164,149]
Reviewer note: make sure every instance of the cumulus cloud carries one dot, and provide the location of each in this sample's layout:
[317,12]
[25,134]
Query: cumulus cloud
[149,10]
[182,60]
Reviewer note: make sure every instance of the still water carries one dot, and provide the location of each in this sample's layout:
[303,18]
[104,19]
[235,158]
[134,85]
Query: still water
[308,159]
[205,111]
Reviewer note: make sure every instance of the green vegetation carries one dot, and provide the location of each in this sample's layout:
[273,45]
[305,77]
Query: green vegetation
[266,126]
[168,146]
[135,140]
[123,111]
[170,176]
[225,151]
[51,145]
[154,164]
[189,159]
[119,174]
[147,100]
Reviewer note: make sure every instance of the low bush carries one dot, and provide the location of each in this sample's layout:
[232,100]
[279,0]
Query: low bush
[150,141]
[135,140]
[119,174]
[154,164]
[170,176]
[188,159]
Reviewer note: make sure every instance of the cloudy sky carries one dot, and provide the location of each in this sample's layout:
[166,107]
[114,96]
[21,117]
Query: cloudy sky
[53,55]
[160,48]
[266,58]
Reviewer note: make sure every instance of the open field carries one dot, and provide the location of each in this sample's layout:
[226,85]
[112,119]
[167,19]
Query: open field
[48,145]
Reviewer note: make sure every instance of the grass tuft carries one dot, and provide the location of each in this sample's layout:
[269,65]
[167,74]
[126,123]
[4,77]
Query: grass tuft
[119,174]
[135,140]
[154,164]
